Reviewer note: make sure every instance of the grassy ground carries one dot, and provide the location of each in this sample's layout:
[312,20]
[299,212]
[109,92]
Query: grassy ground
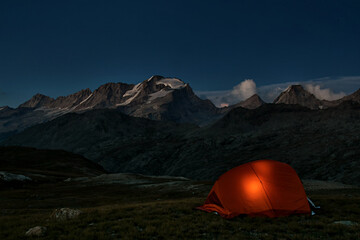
[124,212]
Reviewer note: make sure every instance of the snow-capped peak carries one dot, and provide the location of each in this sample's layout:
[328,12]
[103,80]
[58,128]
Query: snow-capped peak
[287,89]
[294,87]
[86,99]
[133,91]
[173,83]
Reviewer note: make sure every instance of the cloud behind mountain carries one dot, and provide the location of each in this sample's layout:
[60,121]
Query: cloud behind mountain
[323,94]
[326,88]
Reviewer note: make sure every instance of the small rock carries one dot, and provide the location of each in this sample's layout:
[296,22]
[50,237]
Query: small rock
[65,213]
[36,231]
[7,177]
[347,223]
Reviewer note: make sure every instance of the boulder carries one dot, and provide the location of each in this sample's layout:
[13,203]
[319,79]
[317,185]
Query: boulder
[347,223]
[37,231]
[65,213]
[7,177]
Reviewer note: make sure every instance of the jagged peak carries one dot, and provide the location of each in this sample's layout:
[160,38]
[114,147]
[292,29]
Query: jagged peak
[356,93]
[173,83]
[355,96]
[39,96]
[38,100]
[159,79]
[293,91]
[253,97]
[112,85]
[296,94]
[86,91]
[250,103]
[155,78]
[294,88]
[5,108]
[82,92]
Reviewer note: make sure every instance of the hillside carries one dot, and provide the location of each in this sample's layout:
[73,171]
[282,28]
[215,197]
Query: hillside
[319,144]
[46,165]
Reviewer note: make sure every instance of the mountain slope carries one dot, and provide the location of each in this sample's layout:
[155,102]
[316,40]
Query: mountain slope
[296,94]
[251,103]
[45,165]
[37,101]
[319,144]
[97,133]
[354,97]
[106,96]
[157,98]
[13,120]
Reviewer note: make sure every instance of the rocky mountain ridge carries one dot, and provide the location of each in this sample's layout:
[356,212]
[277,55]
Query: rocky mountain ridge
[319,144]
[157,98]
[251,103]
[296,94]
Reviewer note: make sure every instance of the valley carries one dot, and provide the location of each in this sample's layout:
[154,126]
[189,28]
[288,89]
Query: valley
[138,161]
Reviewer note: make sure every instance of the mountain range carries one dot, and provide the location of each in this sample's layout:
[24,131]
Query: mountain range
[153,128]
[296,94]
[157,98]
[319,144]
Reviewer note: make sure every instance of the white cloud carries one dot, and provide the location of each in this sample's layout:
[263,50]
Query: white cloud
[348,84]
[323,88]
[323,94]
[269,92]
[240,92]
[217,97]
[244,90]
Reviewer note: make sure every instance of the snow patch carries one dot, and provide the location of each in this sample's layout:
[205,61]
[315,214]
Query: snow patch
[287,89]
[159,94]
[149,79]
[128,100]
[86,99]
[133,91]
[53,113]
[7,177]
[173,83]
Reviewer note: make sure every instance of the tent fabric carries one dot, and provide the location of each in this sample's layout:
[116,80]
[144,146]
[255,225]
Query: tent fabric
[259,188]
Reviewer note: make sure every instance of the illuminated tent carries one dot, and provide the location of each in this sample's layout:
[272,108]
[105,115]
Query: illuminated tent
[260,188]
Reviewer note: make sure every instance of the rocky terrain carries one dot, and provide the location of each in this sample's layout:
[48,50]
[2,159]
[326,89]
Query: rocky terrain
[296,94]
[152,128]
[319,144]
[157,98]
[251,103]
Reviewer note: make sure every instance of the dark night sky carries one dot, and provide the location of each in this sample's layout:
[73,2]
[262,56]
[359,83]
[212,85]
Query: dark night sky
[59,47]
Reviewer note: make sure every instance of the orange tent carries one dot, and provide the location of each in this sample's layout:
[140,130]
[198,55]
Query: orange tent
[260,188]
